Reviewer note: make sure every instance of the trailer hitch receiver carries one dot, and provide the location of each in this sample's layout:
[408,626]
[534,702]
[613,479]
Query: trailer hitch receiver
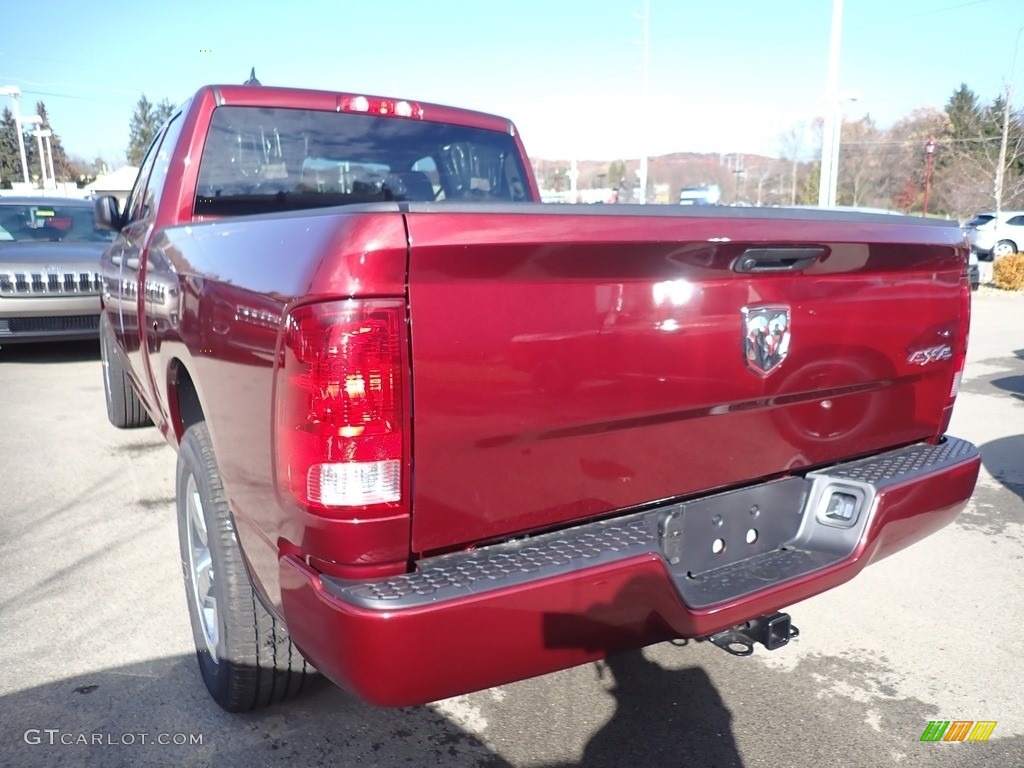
[772,632]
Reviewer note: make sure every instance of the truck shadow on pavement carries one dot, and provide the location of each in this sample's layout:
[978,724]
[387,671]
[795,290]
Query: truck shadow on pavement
[50,352]
[157,713]
[120,716]
[662,717]
[1012,384]
[1004,460]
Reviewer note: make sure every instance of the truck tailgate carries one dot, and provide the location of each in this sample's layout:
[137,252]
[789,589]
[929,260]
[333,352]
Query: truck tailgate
[570,363]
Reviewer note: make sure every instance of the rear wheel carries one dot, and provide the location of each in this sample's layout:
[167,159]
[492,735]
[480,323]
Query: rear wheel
[246,657]
[1004,248]
[124,408]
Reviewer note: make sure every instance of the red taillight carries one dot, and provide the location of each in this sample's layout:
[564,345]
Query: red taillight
[959,353]
[963,336]
[377,106]
[340,421]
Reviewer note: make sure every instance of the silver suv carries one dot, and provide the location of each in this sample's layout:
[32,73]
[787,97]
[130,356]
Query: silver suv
[990,235]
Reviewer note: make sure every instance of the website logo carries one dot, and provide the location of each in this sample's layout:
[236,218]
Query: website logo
[958,730]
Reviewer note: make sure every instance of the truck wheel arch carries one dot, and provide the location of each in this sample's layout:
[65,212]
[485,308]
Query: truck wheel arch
[183,401]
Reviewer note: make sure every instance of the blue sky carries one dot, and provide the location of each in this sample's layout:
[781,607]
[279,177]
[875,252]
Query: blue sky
[725,75]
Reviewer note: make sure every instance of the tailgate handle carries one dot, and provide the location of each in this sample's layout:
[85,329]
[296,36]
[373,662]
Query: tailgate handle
[772,259]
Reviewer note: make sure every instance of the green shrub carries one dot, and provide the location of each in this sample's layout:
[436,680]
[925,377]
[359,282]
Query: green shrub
[1008,272]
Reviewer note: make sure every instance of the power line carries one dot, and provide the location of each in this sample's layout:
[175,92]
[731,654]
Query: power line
[913,142]
[76,86]
[947,8]
[57,95]
[71,96]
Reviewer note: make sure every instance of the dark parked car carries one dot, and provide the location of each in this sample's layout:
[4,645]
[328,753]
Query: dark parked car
[49,269]
[973,270]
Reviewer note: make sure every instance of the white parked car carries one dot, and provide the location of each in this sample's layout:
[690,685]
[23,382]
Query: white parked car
[992,235]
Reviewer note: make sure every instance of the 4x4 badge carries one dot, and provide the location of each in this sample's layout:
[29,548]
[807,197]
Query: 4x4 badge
[765,337]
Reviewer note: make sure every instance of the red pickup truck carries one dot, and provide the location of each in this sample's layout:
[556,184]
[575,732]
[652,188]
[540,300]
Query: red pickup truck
[434,436]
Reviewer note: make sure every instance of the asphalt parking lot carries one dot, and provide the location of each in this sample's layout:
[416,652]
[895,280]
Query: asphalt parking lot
[97,665]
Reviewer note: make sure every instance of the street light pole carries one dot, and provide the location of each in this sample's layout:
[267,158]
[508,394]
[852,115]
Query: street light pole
[837,137]
[1001,162]
[646,101]
[929,163]
[827,180]
[738,170]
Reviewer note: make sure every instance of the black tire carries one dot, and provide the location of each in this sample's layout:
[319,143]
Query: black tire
[124,408]
[1004,248]
[253,662]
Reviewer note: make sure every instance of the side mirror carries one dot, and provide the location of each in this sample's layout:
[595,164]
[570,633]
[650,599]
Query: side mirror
[107,213]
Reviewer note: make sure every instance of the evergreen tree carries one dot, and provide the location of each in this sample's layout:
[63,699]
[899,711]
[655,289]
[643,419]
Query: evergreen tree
[164,110]
[964,112]
[10,157]
[966,167]
[616,173]
[141,131]
[145,122]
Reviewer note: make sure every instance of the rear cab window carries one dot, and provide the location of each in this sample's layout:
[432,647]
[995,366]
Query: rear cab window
[258,159]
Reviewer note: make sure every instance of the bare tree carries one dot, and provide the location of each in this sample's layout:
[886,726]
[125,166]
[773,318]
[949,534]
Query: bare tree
[765,171]
[863,178]
[1009,180]
[792,143]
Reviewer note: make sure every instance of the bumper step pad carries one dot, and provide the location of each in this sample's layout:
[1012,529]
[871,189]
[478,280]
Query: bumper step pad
[707,544]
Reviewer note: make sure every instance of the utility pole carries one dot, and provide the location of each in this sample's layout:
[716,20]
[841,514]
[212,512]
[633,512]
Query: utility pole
[646,100]
[1001,167]
[739,170]
[1001,164]
[929,164]
[829,153]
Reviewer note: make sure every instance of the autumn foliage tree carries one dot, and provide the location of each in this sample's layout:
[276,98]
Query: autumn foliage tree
[885,167]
